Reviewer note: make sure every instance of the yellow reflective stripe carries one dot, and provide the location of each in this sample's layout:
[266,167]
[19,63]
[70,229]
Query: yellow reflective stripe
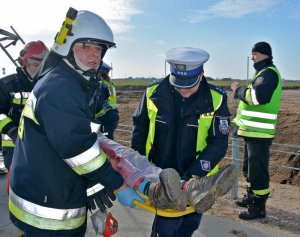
[3,122]
[214,170]
[7,142]
[29,113]
[248,97]
[45,223]
[91,166]
[261,192]
[18,101]
[254,134]
[257,114]
[87,161]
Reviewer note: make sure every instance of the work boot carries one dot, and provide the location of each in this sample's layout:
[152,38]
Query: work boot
[168,193]
[246,200]
[257,209]
[202,192]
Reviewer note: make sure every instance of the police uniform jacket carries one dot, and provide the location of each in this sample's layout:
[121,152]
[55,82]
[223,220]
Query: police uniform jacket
[45,171]
[176,128]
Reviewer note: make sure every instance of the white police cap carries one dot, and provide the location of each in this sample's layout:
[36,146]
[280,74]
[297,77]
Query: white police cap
[186,64]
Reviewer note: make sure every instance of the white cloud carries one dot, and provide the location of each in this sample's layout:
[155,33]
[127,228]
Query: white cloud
[231,9]
[32,17]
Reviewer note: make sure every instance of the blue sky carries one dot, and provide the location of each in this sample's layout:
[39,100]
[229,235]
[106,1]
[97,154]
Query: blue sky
[145,29]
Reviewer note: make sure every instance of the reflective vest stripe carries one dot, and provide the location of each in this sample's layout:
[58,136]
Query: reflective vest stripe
[87,161]
[205,121]
[253,96]
[6,141]
[19,101]
[261,192]
[4,120]
[152,112]
[257,114]
[45,217]
[255,124]
[92,190]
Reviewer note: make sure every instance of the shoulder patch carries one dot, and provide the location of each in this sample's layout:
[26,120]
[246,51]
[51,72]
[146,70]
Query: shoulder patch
[205,165]
[259,81]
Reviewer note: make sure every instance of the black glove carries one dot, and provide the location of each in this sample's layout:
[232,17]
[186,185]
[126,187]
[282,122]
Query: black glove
[13,134]
[100,195]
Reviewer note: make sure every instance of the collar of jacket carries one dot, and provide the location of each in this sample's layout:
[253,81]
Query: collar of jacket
[262,64]
[199,103]
[23,78]
[53,60]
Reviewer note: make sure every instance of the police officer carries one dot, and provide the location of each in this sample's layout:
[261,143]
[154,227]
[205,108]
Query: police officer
[14,91]
[256,119]
[56,153]
[109,115]
[182,122]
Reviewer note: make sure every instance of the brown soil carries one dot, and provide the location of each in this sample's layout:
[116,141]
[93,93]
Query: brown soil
[283,207]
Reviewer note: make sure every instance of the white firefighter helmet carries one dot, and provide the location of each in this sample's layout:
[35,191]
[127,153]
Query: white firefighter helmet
[87,26]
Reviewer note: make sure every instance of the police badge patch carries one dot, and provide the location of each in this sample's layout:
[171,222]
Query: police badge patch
[205,165]
[224,126]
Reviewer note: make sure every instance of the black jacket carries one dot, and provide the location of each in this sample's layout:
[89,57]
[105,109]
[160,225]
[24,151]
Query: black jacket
[176,129]
[9,86]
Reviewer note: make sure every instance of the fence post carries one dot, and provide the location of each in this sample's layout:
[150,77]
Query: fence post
[235,161]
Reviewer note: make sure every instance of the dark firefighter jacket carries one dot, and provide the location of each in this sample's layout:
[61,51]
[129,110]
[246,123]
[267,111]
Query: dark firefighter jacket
[14,91]
[176,129]
[56,154]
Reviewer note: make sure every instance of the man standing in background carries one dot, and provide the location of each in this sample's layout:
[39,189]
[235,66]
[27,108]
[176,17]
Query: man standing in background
[256,119]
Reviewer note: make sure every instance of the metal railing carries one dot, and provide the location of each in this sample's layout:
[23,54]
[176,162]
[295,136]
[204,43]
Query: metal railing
[236,149]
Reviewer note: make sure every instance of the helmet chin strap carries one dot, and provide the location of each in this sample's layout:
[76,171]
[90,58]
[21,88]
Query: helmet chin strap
[79,64]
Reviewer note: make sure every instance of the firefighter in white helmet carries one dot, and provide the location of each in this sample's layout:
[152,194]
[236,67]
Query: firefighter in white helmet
[56,153]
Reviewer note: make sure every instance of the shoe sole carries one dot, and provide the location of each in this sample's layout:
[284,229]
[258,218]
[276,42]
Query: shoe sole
[170,181]
[225,181]
[204,202]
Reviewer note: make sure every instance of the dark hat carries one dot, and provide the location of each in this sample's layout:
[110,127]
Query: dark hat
[186,64]
[263,48]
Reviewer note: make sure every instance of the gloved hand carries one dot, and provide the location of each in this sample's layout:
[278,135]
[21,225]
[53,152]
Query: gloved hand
[100,195]
[13,134]
[127,196]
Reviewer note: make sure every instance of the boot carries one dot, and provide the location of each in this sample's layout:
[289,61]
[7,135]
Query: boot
[246,200]
[257,209]
[202,192]
[168,193]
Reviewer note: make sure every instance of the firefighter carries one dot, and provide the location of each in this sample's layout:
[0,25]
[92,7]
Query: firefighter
[57,155]
[182,122]
[256,120]
[109,115]
[14,91]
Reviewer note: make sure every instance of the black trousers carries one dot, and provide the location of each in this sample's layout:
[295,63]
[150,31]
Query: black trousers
[256,162]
